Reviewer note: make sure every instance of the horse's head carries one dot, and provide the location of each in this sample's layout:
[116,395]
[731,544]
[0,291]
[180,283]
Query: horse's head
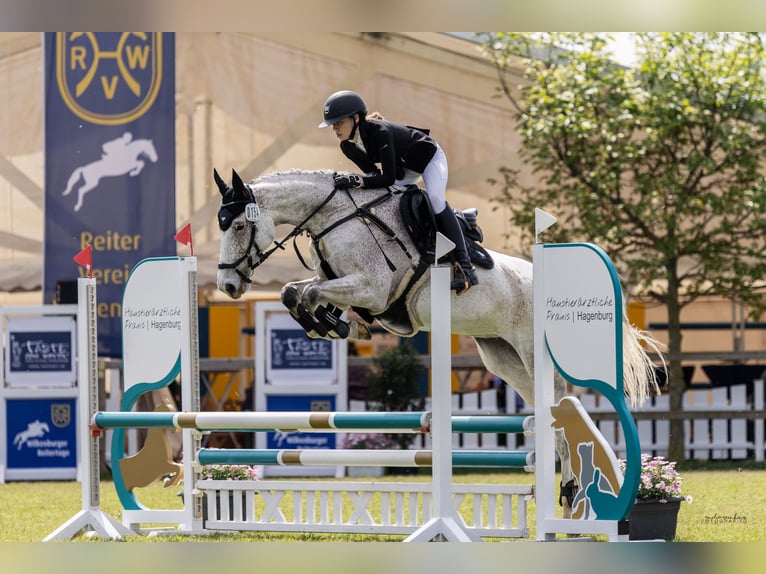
[144,147]
[150,152]
[246,231]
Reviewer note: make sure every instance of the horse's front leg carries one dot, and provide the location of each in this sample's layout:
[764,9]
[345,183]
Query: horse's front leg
[323,322]
[348,291]
[136,170]
[319,313]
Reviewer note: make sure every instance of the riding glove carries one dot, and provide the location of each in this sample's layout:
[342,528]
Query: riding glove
[347,181]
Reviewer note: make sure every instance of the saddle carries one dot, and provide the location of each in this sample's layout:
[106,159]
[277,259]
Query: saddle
[418,218]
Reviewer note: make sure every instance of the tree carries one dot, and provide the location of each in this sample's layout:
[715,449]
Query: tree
[661,164]
[393,384]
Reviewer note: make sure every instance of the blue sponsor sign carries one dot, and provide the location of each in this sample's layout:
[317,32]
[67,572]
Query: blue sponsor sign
[110,161]
[292,349]
[41,434]
[295,439]
[40,352]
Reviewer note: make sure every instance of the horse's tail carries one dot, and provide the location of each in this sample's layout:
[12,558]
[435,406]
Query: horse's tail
[73,179]
[639,372]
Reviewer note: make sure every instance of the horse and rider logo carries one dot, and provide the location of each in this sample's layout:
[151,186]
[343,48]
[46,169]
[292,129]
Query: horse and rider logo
[61,417]
[35,429]
[121,156]
[109,79]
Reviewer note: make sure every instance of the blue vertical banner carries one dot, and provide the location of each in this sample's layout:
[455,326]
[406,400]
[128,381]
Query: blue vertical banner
[109,161]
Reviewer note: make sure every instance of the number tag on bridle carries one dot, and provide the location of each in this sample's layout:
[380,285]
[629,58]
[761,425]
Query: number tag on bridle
[252,212]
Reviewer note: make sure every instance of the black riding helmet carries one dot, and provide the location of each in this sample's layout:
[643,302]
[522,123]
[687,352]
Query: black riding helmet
[341,105]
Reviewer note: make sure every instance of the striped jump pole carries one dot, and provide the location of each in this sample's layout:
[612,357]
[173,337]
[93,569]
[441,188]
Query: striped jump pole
[365,457]
[399,422]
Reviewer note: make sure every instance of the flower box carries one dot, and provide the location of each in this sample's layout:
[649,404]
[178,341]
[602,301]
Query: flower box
[652,519]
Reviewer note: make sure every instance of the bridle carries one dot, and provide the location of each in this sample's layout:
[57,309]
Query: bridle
[252,213]
[251,209]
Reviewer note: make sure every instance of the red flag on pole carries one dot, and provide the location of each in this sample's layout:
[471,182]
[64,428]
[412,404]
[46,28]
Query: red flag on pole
[85,259]
[185,236]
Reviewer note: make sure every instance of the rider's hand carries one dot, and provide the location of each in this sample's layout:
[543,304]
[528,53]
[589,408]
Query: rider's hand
[347,181]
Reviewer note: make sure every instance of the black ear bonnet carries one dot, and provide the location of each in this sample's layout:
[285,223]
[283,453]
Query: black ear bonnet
[233,199]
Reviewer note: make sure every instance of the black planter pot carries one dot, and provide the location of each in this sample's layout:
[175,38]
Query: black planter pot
[654,520]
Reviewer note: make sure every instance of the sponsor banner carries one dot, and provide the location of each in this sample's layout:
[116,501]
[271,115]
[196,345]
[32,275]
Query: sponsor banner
[294,358]
[296,439]
[41,434]
[40,352]
[109,161]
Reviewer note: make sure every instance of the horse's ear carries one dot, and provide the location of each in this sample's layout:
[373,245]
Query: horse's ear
[222,187]
[236,181]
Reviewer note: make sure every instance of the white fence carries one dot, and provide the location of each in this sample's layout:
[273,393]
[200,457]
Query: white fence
[486,510]
[715,438]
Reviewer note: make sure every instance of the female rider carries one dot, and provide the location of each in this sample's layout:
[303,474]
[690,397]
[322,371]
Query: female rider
[404,154]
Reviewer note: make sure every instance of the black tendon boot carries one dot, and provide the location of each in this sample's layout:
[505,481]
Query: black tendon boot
[465,275]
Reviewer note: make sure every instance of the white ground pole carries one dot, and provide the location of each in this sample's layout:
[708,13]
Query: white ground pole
[91,517]
[545,463]
[443,526]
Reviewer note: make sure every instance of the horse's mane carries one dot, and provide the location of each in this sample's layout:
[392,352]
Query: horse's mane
[278,176]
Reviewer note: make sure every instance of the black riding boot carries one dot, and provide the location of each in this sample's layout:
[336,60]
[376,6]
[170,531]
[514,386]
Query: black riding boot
[465,276]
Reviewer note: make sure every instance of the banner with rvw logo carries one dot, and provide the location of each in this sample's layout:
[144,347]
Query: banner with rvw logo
[109,161]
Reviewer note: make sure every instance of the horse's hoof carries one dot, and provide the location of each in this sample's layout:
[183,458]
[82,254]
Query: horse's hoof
[173,479]
[290,297]
[568,492]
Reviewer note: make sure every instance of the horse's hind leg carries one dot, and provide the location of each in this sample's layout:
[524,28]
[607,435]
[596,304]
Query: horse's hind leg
[81,193]
[73,180]
[503,360]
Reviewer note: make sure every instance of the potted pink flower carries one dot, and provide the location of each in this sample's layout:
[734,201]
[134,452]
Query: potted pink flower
[658,500]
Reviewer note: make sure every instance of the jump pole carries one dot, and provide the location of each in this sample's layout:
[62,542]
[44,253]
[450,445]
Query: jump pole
[383,422]
[443,526]
[91,517]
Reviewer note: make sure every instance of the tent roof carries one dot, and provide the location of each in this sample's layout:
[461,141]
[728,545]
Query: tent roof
[252,101]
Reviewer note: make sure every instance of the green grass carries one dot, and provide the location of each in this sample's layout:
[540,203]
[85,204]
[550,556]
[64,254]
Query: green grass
[729,505]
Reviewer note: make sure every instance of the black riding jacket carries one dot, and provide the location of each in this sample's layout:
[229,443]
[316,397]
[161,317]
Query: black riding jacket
[393,146]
